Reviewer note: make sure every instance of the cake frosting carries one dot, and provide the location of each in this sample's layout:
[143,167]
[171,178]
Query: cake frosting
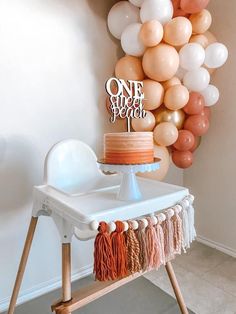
[128,148]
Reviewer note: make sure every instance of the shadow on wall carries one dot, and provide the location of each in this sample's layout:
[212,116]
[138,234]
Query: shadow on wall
[19,171]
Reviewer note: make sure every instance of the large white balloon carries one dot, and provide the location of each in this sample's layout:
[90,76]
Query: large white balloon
[161,10]
[191,56]
[120,16]
[216,55]
[197,80]
[130,41]
[138,3]
[211,95]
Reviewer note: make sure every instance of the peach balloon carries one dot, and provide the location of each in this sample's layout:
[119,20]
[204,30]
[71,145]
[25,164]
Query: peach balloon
[178,31]
[153,94]
[177,117]
[199,39]
[160,63]
[210,37]
[197,124]
[182,160]
[129,68]
[144,124]
[195,104]
[162,153]
[165,134]
[176,97]
[193,6]
[172,82]
[151,33]
[197,142]
[201,21]
[185,141]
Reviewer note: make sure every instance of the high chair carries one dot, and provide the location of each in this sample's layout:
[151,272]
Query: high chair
[77,195]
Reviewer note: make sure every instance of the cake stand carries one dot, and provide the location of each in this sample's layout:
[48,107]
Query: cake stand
[129,189]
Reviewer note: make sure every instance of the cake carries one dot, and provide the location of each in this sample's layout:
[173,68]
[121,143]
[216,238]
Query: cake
[128,148]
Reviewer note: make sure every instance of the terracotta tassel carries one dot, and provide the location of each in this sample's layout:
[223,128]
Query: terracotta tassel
[104,266]
[119,250]
[161,243]
[141,236]
[168,238]
[178,233]
[133,250]
[153,252]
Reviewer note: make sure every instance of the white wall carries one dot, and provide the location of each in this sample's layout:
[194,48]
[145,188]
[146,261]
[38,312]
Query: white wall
[212,177]
[55,56]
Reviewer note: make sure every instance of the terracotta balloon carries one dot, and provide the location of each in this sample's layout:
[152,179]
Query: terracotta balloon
[177,10]
[199,39]
[144,124]
[193,6]
[197,124]
[201,21]
[162,153]
[153,94]
[177,117]
[210,37]
[206,112]
[197,142]
[151,33]
[182,160]
[160,63]
[165,134]
[185,141]
[172,82]
[195,104]
[178,31]
[129,68]
[176,97]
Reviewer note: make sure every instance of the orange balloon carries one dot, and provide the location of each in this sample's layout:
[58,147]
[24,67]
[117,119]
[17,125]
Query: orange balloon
[162,153]
[206,112]
[199,39]
[185,141]
[172,82]
[182,160]
[210,37]
[197,142]
[160,63]
[144,124]
[201,21]
[165,134]
[195,104]
[153,94]
[176,97]
[197,124]
[177,31]
[193,6]
[151,33]
[129,68]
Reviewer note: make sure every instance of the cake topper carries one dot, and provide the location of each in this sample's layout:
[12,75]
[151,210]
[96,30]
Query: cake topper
[126,99]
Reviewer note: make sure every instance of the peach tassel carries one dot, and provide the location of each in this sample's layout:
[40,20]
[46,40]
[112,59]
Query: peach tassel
[178,233]
[161,243]
[153,250]
[141,236]
[167,227]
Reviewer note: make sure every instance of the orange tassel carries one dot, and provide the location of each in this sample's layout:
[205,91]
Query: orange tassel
[133,250]
[119,250]
[104,265]
[141,236]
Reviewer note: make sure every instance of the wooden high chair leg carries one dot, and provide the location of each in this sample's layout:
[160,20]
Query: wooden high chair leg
[23,262]
[66,272]
[176,288]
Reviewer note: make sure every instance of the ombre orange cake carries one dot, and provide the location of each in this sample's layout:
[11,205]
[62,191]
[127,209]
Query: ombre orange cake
[128,148]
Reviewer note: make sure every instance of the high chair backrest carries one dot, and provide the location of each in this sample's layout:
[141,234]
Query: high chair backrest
[69,165]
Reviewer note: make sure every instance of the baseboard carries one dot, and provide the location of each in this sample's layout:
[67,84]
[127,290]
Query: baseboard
[44,288]
[217,246]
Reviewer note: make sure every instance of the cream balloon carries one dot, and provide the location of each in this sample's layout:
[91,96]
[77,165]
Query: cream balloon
[161,10]
[176,97]
[144,124]
[178,31]
[120,16]
[153,94]
[180,73]
[211,95]
[200,39]
[201,21]
[151,33]
[165,134]
[216,55]
[210,37]
[162,153]
[197,80]
[130,40]
[137,3]
[160,63]
[172,82]
[129,68]
[191,56]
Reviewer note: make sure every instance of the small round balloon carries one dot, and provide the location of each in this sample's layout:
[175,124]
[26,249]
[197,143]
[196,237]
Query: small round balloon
[178,31]
[201,21]
[210,37]
[177,10]
[182,160]
[206,112]
[165,134]
[180,73]
[153,93]
[200,39]
[130,40]
[161,11]
[129,68]
[193,6]
[137,3]
[191,56]
[197,142]
[151,33]
[197,80]
[176,97]
[177,117]
[197,124]
[216,55]
[144,124]
[211,95]
[185,140]
[195,104]
[172,82]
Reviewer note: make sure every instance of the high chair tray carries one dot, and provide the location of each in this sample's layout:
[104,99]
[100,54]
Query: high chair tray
[101,204]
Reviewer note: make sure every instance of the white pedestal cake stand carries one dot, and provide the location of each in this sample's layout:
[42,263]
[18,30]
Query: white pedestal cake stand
[129,189]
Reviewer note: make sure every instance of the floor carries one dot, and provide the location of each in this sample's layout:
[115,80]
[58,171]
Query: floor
[207,278]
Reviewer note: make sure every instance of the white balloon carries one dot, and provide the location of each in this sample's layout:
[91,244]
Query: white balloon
[216,55]
[138,3]
[197,80]
[161,10]
[211,95]
[191,56]
[120,16]
[180,73]
[130,42]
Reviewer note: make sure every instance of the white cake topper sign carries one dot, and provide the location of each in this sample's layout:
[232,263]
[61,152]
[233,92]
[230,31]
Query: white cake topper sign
[126,99]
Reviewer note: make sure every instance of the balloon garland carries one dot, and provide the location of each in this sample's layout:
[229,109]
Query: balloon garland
[169,47]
